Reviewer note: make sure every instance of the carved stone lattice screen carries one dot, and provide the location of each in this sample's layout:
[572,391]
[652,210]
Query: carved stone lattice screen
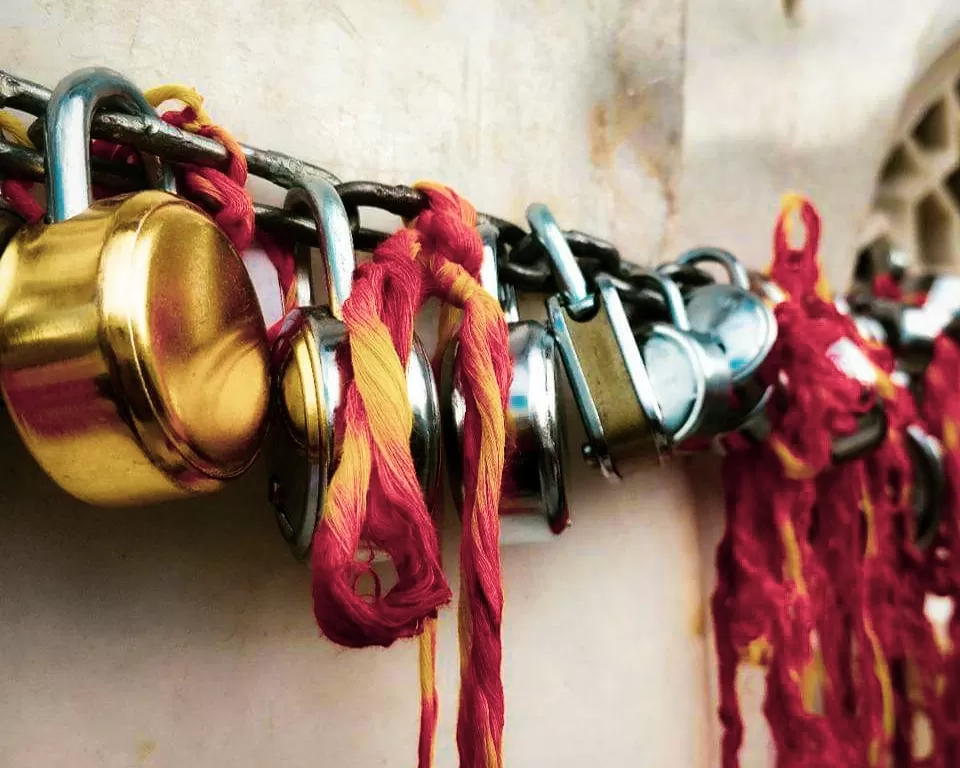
[914,219]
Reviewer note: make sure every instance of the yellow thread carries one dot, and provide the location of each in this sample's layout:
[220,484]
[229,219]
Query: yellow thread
[758,652]
[951,435]
[14,129]
[881,669]
[793,467]
[791,552]
[184,94]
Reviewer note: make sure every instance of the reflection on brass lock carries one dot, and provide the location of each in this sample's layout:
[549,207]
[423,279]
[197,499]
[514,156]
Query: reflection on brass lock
[741,323]
[307,382]
[610,383]
[133,356]
[689,372]
[533,489]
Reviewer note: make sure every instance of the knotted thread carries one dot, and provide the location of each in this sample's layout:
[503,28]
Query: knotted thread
[374,499]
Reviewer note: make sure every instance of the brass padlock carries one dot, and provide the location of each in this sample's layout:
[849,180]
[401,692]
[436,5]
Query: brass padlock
[133,356]
[307,381]
[534,491]
[610,383]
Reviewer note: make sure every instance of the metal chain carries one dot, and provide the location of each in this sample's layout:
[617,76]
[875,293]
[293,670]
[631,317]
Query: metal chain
[523,262]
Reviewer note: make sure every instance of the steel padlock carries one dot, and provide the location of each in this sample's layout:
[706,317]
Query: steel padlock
[610,383]
[133,356]
[307,380]
[533,485]
[740,323]
[688,370]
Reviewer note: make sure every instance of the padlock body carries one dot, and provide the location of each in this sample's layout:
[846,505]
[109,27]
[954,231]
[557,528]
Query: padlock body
[307,391]
[610,384]
[133,356]
[533,501]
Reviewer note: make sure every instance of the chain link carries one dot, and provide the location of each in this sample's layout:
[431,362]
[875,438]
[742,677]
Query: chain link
[522,260]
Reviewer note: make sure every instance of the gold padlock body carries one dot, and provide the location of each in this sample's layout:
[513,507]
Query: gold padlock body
[133,355]
[626,429]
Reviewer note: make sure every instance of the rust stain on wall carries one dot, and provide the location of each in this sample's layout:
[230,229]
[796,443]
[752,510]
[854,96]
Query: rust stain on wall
[601,149]
[145,748]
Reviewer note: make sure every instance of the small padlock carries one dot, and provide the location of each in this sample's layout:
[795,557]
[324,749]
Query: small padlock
[133,357]
[610,382]
[689,371]
[533,487]
[307,380]
[740,322]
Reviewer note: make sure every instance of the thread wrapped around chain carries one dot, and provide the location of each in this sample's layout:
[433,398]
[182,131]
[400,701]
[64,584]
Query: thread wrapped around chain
[373,498]
[224,193]
[808,546]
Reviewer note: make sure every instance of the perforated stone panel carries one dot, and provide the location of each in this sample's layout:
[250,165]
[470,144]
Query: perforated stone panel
[915,214]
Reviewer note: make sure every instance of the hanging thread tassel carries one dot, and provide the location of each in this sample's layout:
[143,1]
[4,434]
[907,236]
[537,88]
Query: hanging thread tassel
[791,594]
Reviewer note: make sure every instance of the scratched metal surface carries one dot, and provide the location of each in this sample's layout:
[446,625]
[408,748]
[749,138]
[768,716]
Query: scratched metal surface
[182,634]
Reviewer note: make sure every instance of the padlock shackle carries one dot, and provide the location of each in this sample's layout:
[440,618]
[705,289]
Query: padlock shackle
[573,284]
[319,198]
[67,135]
[671,295]
[505,295]
[731,264]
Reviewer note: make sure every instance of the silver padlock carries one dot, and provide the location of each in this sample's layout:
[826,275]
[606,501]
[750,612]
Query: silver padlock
[689,371]
[610,383]
[307,380]
[533,482]
[740,322]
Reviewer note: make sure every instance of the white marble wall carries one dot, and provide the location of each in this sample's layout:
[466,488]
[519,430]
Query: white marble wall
[182,635]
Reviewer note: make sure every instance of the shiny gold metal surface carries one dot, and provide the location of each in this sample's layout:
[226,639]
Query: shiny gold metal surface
[625,426]
[133,356]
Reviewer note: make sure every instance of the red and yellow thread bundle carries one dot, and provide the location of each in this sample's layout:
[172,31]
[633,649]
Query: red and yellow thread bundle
[374,499]
[940,409]
[810,565]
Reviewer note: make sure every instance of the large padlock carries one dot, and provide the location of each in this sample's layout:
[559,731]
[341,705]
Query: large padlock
[688,370]
[133,357]
[740,322]
[534,491]
[307,379]
[610,383]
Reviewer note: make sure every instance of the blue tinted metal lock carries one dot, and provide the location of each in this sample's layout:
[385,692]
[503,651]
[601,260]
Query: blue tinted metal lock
[689,372]
[533,491]
[307,382]
[610,383]
[740,323]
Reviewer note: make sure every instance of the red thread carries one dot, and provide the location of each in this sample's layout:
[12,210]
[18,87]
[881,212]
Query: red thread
[439,254]
[807,567]
[17,194]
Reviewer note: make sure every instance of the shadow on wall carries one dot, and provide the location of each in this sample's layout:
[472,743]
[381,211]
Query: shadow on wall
[207,565]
